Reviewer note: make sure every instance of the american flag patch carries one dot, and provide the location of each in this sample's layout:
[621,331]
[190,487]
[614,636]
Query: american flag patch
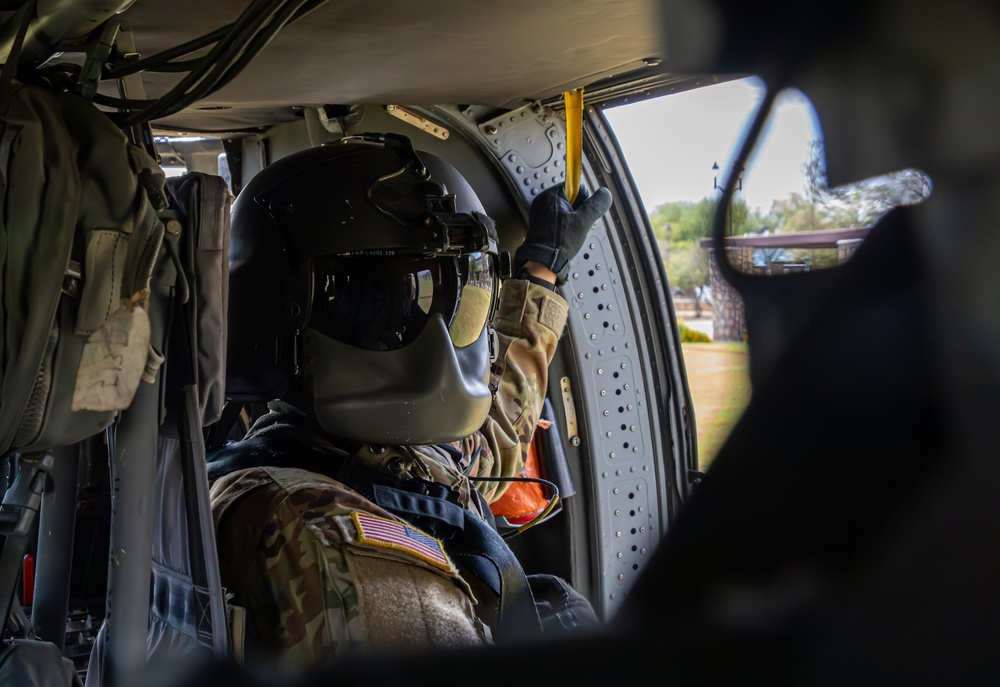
[389,534]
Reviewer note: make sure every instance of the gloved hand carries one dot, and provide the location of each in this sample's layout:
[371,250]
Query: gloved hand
[561,608]
[556,229]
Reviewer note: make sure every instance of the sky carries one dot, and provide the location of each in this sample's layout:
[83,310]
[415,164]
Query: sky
[671,143]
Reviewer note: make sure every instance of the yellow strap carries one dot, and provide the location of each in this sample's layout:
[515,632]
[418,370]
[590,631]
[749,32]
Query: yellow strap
[574,139]
[541,516]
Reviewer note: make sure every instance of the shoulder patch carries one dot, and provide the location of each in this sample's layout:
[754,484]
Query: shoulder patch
[389,534]
[552,314]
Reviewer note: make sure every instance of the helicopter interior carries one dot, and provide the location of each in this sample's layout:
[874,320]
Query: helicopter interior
[844,532]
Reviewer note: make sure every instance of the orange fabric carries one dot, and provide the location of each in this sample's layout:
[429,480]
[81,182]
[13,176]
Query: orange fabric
[524,500]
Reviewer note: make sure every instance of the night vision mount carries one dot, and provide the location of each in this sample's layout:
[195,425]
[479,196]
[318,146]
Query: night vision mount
[412,197]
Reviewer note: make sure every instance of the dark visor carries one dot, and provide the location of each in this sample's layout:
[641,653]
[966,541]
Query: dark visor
[381,303]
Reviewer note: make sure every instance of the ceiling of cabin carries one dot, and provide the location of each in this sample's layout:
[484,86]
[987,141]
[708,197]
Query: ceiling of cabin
[500,54]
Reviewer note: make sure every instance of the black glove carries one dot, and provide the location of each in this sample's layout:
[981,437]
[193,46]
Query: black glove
[561,608]
[556,229]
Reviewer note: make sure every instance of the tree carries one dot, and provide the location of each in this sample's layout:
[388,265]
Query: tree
[861,203]
[696,220]
[687,269]
[796,213]
[679,228]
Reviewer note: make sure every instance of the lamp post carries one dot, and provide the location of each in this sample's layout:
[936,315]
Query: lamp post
[739,187]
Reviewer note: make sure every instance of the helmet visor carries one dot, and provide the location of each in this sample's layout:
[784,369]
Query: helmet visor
[382,303]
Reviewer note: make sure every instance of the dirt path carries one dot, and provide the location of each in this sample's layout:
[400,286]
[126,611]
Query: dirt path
[717,375]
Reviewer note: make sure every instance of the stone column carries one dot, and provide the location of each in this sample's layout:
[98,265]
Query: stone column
[728,316]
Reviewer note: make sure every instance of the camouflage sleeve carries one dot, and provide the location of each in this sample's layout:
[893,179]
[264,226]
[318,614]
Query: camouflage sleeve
[528,322]
[312,588]
[299,598]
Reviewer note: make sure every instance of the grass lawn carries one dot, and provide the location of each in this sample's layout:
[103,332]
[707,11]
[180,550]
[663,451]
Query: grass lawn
[720,390]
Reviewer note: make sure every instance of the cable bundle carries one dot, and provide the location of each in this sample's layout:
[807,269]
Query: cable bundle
[235,45]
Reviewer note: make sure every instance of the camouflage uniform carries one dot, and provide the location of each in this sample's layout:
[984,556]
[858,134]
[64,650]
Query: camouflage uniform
[291,544]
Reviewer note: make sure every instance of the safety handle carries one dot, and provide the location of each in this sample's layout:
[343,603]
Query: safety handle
[574,141]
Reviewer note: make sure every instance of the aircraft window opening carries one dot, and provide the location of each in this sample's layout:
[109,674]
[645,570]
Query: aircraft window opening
[182,154]
[783,219]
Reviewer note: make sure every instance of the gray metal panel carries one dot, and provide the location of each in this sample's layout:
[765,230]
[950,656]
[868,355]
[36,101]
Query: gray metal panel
[613,402]
[531,146]
[623,452]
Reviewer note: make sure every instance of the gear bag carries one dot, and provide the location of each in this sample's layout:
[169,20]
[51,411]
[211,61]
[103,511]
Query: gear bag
[28,663]
[185,568]
[78,239]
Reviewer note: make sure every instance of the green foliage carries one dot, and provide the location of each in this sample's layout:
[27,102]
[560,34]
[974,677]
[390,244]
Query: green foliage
[861,203]
[796,213]
[687,267]
[686,222]
[689,335]
[660,224]
[679,227]
[696,223]
[818,258]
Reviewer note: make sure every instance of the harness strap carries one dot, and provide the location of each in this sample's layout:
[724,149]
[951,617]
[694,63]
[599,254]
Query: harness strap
[408,504]
[470,541]
[183,605]
[479,544]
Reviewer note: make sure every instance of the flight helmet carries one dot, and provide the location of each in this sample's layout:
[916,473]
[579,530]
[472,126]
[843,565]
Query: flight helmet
[363,278]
